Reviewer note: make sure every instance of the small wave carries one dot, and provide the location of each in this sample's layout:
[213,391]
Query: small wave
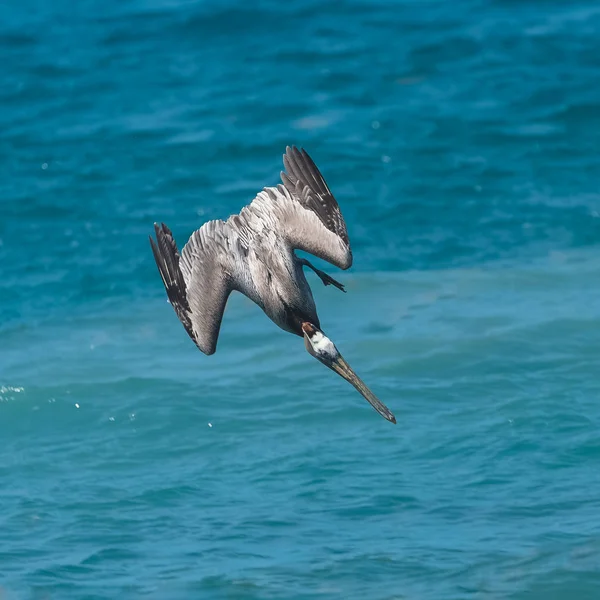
[7,392]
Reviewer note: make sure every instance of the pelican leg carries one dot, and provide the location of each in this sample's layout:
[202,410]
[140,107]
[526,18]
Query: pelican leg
[326,279]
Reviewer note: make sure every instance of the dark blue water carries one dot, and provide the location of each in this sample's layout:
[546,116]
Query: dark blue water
[462,142]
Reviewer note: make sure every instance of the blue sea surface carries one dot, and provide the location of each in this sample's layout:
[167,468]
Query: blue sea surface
[462,141]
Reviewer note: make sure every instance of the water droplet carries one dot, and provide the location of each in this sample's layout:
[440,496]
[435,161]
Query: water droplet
[76,405]
[111,418]
[210,424]
[385,158]
[375,125]
[44,166]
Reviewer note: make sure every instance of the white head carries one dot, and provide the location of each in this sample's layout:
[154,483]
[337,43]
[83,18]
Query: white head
[319,344]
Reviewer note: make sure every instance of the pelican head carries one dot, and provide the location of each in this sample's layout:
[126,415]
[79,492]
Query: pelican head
[324,350]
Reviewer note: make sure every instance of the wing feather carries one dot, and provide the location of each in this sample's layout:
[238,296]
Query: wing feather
[167,260]
[304,181]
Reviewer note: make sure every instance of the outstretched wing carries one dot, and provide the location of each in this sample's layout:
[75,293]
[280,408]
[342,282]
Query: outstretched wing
[304,181]
[326,236]
[302,212]
[198,282]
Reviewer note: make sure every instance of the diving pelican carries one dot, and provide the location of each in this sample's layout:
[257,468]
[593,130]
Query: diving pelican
[253,253]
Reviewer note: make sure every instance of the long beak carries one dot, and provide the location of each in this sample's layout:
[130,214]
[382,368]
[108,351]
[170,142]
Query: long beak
[341,367]
[322,348]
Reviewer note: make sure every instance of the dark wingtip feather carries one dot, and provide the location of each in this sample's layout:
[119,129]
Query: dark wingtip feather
[303,179]
[166,256]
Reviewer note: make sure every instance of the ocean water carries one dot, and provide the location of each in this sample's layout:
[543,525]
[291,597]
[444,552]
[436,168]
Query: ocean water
[462,141]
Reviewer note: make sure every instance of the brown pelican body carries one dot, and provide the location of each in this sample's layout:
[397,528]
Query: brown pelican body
[253,253]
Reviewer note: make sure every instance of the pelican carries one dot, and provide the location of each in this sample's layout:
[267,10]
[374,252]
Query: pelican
[253,253]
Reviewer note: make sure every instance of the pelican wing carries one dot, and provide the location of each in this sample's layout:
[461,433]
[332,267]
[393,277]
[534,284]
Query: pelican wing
[198,282]
[313,222]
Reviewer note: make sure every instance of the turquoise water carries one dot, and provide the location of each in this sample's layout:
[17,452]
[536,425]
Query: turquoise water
[462,142]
